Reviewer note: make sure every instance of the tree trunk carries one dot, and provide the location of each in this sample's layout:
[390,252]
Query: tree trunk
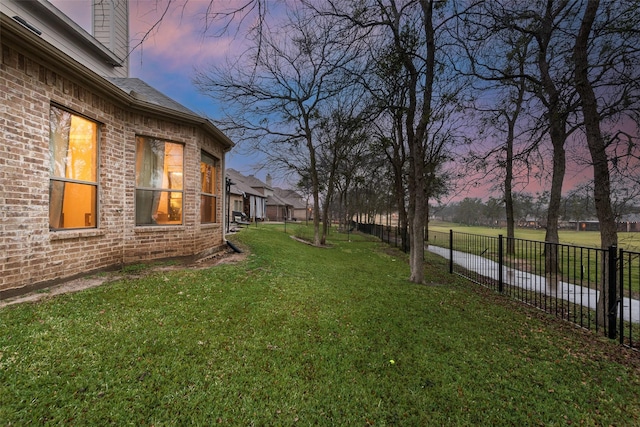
[315,185]
[508,181]
[397,163]
[597,148]
[558,138]
[416,223]
[427,212]
[508,189]
[416,138]
[327,204]
[558,135]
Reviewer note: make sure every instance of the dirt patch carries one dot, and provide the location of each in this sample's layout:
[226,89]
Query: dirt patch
[66,287]
[307,242]
[228,256]
[75,285]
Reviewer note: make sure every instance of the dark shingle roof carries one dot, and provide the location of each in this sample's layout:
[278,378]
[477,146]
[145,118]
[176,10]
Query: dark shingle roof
[291,197]
[143,92]
[239,185]
[255,182]
[275,200]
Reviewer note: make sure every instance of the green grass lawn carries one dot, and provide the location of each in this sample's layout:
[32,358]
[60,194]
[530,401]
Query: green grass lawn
[627,241]
[299,335]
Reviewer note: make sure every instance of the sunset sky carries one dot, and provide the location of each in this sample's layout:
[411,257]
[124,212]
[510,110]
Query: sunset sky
[170,54]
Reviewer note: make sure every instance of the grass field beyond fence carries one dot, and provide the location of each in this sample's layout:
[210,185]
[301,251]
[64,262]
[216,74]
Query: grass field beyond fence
[628,241]
[299,335]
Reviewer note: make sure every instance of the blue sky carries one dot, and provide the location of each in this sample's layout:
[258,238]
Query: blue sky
[168,57]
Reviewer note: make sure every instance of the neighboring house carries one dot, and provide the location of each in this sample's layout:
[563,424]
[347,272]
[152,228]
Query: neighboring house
[584,225]
[260,200]
[629,223]
[626,223]
[529,221]
[240,196]
[279,209]
[286,204]
[96,170]
[263,188]
[246,198]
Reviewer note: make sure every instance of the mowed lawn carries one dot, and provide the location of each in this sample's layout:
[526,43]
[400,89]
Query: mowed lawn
[299,335]
[626,240]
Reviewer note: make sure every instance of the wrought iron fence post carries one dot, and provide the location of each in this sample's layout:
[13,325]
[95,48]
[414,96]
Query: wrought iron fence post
[621,293]
[500,263]
[395,236]
[611,294]
[450,251]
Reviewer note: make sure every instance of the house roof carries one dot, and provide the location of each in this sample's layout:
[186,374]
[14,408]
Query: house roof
[255,182]
[57,23]
[274,200]
[143,92]
[633,217]
[291,197]
[242,189]
[239,185]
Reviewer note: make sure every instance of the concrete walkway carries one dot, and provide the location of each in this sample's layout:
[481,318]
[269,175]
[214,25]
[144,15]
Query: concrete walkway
[567,291]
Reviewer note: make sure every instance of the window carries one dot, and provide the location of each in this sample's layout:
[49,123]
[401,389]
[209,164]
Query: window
[73,186]
[159,188]
[208,197]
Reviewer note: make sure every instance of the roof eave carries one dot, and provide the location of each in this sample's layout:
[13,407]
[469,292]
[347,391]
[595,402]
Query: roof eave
[145,106]
[16,34]
[87,39]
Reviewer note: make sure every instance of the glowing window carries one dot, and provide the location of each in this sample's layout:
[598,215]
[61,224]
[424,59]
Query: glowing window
[159,186]
[208,180]
[73,186]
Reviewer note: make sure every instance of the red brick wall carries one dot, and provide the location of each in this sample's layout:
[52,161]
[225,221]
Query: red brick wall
[31,255]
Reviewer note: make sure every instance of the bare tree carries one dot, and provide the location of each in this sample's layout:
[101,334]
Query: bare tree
[410,31]
[389,91]
[275,95]
[507,104]
[595,139]
[545,24]
[586,77]
[606,59]
[598,48]
[342,134]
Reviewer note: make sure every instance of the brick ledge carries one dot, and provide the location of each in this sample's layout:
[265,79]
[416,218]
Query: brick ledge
[75,234]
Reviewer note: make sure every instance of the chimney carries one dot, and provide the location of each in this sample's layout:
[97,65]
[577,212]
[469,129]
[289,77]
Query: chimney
[110,22]
[269,180]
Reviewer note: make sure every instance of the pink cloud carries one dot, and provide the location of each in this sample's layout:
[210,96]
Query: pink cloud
[180,38]
[174,32]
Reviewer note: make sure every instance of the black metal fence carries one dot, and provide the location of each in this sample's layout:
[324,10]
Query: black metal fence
[388,234]
[597,289]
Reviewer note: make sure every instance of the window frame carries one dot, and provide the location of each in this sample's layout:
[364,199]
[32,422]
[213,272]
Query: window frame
[216,167]
[92,184]
[160,190]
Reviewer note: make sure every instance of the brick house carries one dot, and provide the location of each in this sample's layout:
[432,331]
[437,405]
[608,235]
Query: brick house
[97,170]
[247,195]
[287,204]
[241,198]
[279,209]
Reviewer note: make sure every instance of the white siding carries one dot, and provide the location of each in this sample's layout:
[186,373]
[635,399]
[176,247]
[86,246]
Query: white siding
[111,27]
[57,29]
